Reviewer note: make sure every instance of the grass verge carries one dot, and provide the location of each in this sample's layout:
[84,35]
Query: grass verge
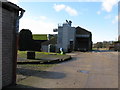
[41,57]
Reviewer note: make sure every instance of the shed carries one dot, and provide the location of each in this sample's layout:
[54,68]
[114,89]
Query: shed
[50,45]
[10,14]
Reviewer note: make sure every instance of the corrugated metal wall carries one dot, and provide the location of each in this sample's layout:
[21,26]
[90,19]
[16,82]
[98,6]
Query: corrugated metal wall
[65,35]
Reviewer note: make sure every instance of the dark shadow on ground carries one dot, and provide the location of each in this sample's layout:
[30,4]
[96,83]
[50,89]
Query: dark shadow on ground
[69,60]
[23,87]
[41,74]
[39,61]
[102,51]
[17,87]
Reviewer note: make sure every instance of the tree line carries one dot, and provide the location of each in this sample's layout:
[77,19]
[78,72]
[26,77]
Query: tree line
[104,44]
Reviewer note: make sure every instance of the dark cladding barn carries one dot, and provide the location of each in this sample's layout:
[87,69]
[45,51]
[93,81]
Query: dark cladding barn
[83,40]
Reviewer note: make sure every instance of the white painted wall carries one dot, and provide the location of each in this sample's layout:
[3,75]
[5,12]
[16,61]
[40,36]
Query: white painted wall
[66,29]
[72,34]
[65,34]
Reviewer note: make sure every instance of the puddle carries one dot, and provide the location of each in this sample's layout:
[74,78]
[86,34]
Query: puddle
[83,71]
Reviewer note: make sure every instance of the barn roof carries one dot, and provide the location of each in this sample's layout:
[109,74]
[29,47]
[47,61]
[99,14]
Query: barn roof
[51,41]
[9,5]
[79,30]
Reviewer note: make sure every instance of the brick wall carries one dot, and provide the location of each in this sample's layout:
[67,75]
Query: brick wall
[8,46]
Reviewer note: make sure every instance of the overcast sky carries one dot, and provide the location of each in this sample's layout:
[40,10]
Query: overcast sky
[101,18]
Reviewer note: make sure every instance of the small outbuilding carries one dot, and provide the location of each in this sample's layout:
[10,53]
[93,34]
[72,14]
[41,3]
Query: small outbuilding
[49,46]
[9,14]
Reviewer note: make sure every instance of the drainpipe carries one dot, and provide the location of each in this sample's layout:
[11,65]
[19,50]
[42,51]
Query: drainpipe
[17,24]
[16,43]
[18,18]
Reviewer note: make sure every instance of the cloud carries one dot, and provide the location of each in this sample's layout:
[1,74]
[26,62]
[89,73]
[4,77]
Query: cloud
[43,17]
[71,11]
[14,1]
[37,26]
[107,5]
[116,18]
[60,0]
[108,16]
[98,12]
[59,7]
[66,8]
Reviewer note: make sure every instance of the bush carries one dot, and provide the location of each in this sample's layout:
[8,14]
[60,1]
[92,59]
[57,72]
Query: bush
[25,40]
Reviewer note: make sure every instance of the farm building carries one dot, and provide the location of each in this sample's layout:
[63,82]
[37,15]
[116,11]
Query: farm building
[68,38]
[73,39]
[30,42]
[42,41]
[49,46]
[34,42]
[117,46]
[10,15]
[83,40]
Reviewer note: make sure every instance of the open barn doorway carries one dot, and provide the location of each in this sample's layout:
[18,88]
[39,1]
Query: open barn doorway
[82,44]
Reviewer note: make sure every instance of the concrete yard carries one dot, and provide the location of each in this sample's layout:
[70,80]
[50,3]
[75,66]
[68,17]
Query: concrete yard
[85,70]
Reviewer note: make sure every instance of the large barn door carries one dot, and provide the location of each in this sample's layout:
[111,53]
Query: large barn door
[82,44]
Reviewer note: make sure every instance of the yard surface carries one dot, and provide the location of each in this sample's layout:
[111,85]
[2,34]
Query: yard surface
[42,61]
[85,70]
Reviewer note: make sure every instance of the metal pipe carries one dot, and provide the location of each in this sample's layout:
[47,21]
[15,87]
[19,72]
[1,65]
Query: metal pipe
[16,42]
[18,18]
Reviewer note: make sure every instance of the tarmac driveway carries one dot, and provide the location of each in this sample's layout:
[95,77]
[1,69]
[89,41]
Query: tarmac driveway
[85,70]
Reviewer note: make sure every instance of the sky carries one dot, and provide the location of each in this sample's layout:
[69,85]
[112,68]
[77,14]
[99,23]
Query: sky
[100,18]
